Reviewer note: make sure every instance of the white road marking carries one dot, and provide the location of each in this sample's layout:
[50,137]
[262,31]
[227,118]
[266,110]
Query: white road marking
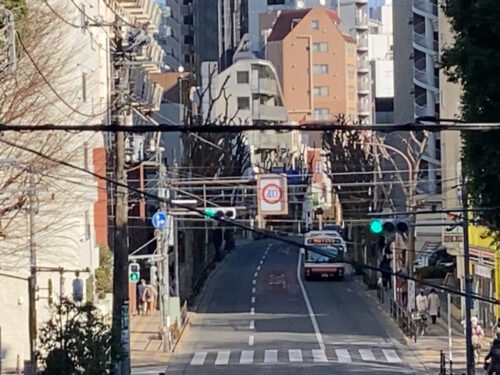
[295,355]
[253,290]
[258,268]
[254,281]
[222,357]
[255,274]
[246,357]
[319,355]
[198,358]
[253,300]
[252,324]
[366,355]
[319,337]
[261,262]
[251,340]
[271,356]
[391,355]
[343,355]
[252,311]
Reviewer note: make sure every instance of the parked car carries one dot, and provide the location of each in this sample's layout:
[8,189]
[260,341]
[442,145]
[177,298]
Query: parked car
[437,258]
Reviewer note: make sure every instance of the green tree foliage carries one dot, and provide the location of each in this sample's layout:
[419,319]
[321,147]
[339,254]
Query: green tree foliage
[472,61]
[18,7]
[104,274]
[75,341]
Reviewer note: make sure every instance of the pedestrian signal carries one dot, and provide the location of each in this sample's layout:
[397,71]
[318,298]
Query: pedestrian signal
[134,272]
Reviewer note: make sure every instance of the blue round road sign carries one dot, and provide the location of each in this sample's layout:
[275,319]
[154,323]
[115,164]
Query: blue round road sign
[159,220]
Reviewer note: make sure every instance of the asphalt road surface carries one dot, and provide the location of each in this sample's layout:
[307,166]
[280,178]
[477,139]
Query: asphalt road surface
[256,316]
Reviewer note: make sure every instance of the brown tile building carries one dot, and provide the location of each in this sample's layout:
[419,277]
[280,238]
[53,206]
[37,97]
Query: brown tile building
[316,63]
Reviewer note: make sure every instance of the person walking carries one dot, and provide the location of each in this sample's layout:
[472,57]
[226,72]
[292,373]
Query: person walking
[477,337]
[496,329]
[141,290]
[149,296]
[434,305]
[421,302]
[493,367]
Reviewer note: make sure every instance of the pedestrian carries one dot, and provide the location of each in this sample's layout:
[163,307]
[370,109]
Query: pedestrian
[434,305]
[477,337]
[149,296]
[141,289]
[421,302]
[496,329]
[494,356]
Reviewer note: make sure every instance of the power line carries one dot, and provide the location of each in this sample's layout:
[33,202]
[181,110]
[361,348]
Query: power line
[220,128]
[61,17]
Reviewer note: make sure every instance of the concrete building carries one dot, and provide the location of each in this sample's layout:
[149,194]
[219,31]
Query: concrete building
[354,14]
[416,90]
[316,63]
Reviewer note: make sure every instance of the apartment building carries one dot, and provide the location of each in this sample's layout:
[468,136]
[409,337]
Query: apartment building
[316,63]
[416,77]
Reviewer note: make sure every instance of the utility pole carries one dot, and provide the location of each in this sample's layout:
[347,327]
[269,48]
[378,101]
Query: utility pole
[32,278]
[120,326]
[471,370]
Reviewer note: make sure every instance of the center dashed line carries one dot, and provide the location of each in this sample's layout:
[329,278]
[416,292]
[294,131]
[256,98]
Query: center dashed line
[252,311]
[253,300]
[251,340]
[252,324]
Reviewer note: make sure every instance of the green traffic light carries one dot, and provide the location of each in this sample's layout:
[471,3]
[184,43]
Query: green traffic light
[134,277]
[210,212]
[376,226]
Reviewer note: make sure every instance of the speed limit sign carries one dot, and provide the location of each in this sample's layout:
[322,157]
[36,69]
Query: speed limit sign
[272,194]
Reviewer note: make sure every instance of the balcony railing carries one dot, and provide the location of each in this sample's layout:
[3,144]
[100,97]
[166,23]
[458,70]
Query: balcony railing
[269,113]
[265,86]
[363,87]
[426,6]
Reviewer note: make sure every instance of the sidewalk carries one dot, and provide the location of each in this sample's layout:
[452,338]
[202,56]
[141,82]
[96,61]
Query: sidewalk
[428,347]
[146,349]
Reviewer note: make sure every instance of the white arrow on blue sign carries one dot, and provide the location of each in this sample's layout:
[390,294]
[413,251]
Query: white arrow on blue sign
[159,220]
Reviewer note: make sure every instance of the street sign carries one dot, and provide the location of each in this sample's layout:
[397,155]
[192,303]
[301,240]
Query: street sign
[272,194]
[159,220]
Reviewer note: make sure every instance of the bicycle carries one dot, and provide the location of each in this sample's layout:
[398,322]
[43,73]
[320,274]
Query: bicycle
[420,318]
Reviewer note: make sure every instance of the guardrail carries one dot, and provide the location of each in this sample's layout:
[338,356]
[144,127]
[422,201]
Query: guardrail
[403,319]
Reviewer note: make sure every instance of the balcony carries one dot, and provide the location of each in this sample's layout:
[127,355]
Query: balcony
[423,44]
[362,44]
[363,87]
[265,86]
[146,94]
[141,11]
[152,57]
[363,108]
[363,66]
[425,8]
[361,1]
[423,78]
[362,23]
[270,113]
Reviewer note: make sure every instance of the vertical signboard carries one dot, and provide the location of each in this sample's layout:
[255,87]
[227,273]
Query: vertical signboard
[272,195]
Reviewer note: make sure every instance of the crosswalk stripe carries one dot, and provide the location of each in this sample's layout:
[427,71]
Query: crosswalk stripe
[222,357]
[343,355]
[366,355]
[271,356]
[295,355]
[319,355]
[199,358]
[246,356]
[391,355]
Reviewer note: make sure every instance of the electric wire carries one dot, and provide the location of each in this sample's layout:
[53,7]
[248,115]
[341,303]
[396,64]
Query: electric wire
[266,233]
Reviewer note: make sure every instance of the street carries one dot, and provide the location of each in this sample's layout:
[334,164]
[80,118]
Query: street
[254,316]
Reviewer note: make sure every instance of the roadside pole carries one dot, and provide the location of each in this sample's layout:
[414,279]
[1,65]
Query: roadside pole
[450,337]
[120,328]
[32,277]
[471,370]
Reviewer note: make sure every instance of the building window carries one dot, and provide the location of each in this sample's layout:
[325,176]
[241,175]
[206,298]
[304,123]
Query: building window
[322,114]
[242,77]
[350,71]
[320,47]
[321,91]
[320,68]
[84,87]
[244,103]
[315,24]
[351,93]
[87,226]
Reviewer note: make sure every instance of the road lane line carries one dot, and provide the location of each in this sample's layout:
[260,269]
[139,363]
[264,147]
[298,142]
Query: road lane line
[223,357]
[391,356]
[246,357]
[251,340]
[252,324]
[319,337]
[255,274]
[253,300]
[343,355]
[319,355]
[295,355]
[254,281]
[271,356]
[258,268]
[261,262]
[253,290]
[252,311]
[366,355]
[199,358]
